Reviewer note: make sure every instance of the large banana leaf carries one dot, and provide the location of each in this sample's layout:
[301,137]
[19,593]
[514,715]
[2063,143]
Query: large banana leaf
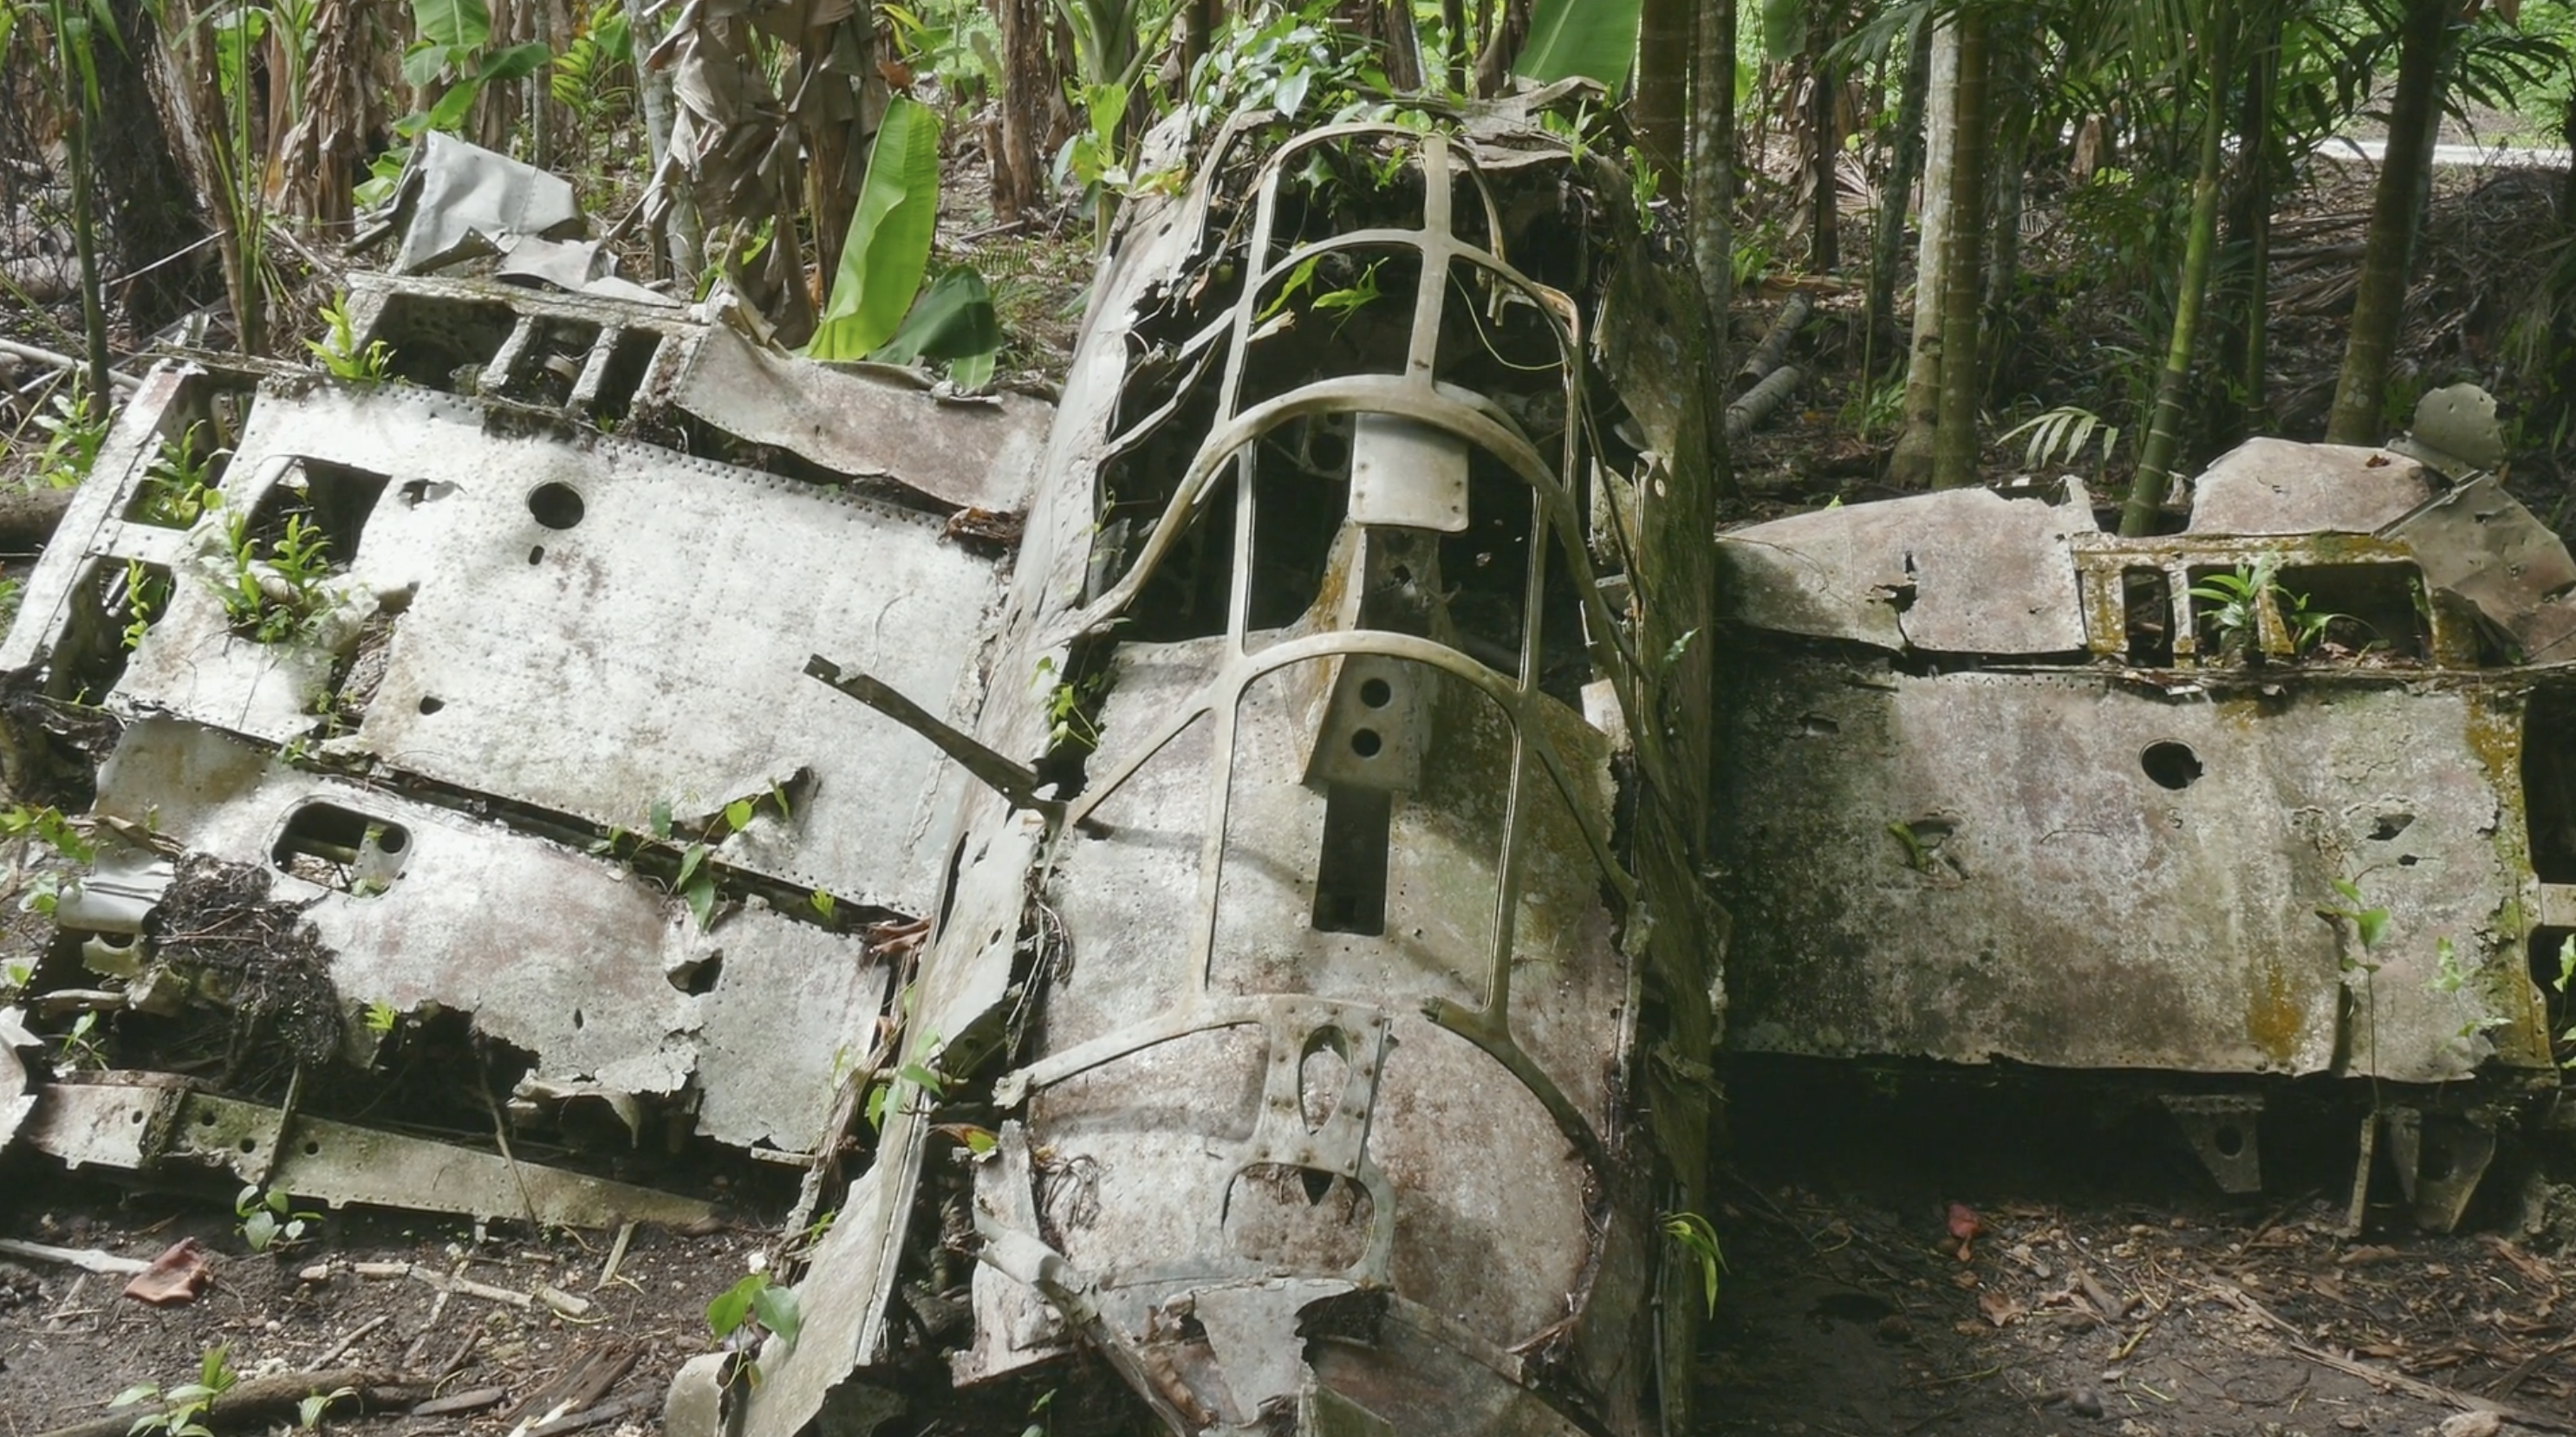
[955,322]
[889,241]
[453,24]
[1596,39]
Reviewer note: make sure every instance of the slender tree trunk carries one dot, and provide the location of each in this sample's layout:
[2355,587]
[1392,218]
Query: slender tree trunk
[1911,464]
[2008,98]
[1027,81]
[1954,437]
[2164,430]
[1455,49]
[85,243]
[2245,336]
[1502,47]
[2379,301]
[1824,135]
[1712,168]
[1663,68]
[1896,193]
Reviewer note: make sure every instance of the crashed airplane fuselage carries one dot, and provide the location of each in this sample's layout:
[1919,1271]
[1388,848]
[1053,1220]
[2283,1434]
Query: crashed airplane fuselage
[1313,1019]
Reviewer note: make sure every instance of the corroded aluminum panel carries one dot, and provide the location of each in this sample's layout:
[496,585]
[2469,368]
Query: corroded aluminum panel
[1965,571]
[2275,486]
[2051,900]
[1157,1136]
[568,957]
[648,653]
[2481,543]
[970,452]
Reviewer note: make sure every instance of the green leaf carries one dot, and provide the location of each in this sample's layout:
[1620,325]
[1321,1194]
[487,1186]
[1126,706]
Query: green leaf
[456,24]
[1784,29]
[1593,38]
[136,1393]
[2373,923]
[889,240]
[954,320]
[421,64]
[450,110]
[690,858]
[658,818]
[517,62]
[777,1309]
[738,814]
[702,899]
[725,1315]
[823,904]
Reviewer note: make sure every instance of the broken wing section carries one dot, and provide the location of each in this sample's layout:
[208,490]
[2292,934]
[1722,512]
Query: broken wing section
[496,718]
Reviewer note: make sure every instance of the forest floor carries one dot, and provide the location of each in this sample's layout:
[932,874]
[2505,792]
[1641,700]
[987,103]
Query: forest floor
[2115,1296]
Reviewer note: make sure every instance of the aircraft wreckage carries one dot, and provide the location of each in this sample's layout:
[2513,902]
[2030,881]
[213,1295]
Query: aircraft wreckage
[1218,877]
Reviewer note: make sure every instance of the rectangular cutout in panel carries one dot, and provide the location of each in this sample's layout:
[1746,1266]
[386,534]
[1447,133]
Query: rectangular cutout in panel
[342,850]
[2378,610]
[2549,784]
[1350,874]
[2147,599]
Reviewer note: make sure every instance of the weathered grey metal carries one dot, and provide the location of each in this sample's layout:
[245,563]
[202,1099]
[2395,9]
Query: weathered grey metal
[2274,816]
[456,199]
[529,637]
[162,1126]
[1968,571]
[2480,543]
[2274,486]
[1237,1113]
[976,451]
[566,956]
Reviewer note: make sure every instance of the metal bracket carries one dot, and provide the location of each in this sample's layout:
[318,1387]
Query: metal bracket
[2223,1130]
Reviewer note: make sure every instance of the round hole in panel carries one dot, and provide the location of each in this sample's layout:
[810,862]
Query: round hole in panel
[556,505]
[2172,765]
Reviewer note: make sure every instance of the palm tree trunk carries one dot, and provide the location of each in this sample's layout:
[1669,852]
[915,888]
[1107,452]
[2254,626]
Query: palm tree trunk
[2009,99]
[1712,167]
[1824,139]
[2380,298]
[1911,465]
[1896,194]
[2164,431]
[1954,436]
[1663,61]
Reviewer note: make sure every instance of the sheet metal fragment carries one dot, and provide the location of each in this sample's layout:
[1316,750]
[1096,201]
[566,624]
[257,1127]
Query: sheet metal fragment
[143,1126]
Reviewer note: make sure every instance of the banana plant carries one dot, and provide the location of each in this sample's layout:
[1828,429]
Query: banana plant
[455,41]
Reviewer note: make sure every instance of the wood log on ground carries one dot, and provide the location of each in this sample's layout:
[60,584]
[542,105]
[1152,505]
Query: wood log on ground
[261,1397]
[28,517]
[1747,413]
[1774,348]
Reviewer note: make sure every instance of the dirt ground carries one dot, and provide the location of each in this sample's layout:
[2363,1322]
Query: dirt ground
[2108,1287]
[69,1343]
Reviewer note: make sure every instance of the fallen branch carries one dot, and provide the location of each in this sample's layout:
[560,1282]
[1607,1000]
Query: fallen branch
[89,1259]
[1748,413]
[262,1396]
[60,360]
